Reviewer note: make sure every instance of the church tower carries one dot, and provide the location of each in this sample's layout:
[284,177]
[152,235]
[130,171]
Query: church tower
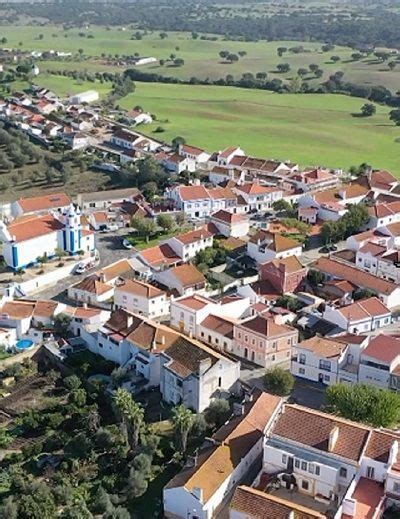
[72,233]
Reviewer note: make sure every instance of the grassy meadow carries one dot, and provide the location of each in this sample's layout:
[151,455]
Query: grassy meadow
[309,129]
[201,56]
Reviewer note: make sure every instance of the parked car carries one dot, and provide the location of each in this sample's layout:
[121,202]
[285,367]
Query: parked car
[127,244]
[80,269]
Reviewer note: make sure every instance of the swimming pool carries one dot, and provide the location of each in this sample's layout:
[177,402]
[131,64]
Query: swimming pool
[24,344]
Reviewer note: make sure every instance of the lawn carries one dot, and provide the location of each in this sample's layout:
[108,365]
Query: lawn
[201,56]
[309,129]
[141,243]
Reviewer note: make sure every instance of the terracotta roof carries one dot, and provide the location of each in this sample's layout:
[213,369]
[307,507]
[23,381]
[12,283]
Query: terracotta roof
[115,270]
[364,309]
[254,504]
[18,309]
[29,227]
[193,193]
[45,308]
[194,236]
[290,265]
[139,288]
[187,356]
[265,289]
[274,241]
[219,193]
[195,301]
[394,228]
[237,438]
[313,428]
[93,285]
[218,325]
[188,275]
[257,189]
[192,149]
[125,135]
[354,190]
[86,313]
[44,202]
[384,348]
[160,255]
[379,445]
[266,327]
[100,216]
[228,151]
[373,248]
[364,279]
[228,217]
[323,347]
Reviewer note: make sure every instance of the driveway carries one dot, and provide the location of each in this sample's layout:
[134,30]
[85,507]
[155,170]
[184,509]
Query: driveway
[110,250]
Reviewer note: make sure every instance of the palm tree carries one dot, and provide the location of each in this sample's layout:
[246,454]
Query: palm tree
[131,415]
[183,422]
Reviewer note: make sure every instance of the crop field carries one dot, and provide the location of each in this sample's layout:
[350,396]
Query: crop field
[201,57]
[309,129]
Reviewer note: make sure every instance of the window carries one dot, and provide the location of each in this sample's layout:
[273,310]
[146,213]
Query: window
[284,459]
[297,464]
[219,381]
[302,371]
[396,488]
[202,334]
[327,378]
[343,472]
[317,470]
[311,468]
[325,365]
[302,358]
[304,484]
[303,465]
[370,472]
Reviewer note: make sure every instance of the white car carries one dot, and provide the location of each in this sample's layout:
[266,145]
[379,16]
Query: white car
[127,244]
[80,269]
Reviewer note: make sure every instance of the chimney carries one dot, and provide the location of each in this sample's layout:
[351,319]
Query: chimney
[129,320]
[333,437]
[163,340]
[394,450]
[198,493]
[153,345]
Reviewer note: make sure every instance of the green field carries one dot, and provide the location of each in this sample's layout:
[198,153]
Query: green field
[201,56]
[309,129]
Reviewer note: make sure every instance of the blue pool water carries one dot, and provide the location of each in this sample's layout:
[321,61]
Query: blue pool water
[24,344]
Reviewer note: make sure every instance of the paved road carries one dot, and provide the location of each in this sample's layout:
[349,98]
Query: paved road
[110,249]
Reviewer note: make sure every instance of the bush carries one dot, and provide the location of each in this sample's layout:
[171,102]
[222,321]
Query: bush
[279,381]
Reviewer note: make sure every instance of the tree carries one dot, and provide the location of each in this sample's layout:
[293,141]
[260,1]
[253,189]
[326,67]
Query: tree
[224,54]
[315,277]
[76,511]
[165,221]
[281,51]
[364,403]
[368,109]
[179,62]
[217,412]
[392,65]
[278,381]
[72,382]
[283,67]
[9,508]
[182,419]
[145,227]
[327,47]
[101,502]
[302,72]
[119,512]
[394,116]
[178,141]
[131,414]
[319,73]
[282,205]
[61,323]
[180,219]
[232,57]
[356,56]
[313,67]
[137,483]
[36,502]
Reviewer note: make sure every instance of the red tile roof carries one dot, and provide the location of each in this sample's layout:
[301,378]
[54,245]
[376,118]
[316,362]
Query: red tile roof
[257,189]
[29,227]
[266,327]
[384,348]
[194,236]
[364,279]
[188,275]
[228,217]
[160,255]
[188,193]
[364,309]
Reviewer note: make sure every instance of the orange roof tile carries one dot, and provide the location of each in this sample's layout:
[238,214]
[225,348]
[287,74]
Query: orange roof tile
[29,227]
[44,202]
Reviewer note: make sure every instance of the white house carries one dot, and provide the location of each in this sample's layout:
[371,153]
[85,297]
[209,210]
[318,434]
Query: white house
[360,317]
[193,374]
[58,202]
[141,298]
[195,156]
[383,214]
[230,224]
[89,96]
[33,236]
[188,244]
[259,197]
[105,199]
[199,202]
[222,463]
[265,246]
[185,279]
[380,362]
[138,117]
[379,260]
